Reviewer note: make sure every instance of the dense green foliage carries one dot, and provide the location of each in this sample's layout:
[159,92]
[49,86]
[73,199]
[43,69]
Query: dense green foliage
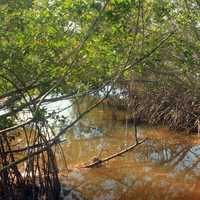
[83,44]
[81,40]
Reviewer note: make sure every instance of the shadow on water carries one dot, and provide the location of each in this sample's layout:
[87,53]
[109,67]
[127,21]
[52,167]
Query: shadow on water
[166,166]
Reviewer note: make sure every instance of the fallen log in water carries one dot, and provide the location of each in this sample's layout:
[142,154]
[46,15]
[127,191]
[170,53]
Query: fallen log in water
[97,161]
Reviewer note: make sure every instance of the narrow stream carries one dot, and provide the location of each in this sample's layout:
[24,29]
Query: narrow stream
[165,167]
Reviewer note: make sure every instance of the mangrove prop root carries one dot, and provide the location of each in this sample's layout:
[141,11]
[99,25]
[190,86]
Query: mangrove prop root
[97,162]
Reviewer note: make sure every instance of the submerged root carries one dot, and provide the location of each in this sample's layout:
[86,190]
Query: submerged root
[175,108]
[178,110]
[34,179]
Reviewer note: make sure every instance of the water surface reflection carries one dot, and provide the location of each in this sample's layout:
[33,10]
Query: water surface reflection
[166,166]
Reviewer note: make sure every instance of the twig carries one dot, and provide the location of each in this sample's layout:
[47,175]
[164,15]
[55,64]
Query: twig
[97,162]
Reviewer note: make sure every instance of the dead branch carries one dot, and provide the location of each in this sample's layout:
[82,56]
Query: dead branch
[100,161]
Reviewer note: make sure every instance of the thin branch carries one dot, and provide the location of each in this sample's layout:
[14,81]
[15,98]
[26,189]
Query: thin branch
[100,161]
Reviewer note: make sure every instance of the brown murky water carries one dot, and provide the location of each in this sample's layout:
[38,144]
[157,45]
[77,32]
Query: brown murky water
[166,166]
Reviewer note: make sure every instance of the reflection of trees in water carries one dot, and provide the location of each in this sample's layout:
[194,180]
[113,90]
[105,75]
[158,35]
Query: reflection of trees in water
[178,157]
[158,188]
[133,184]
[156,170]
[86,131]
